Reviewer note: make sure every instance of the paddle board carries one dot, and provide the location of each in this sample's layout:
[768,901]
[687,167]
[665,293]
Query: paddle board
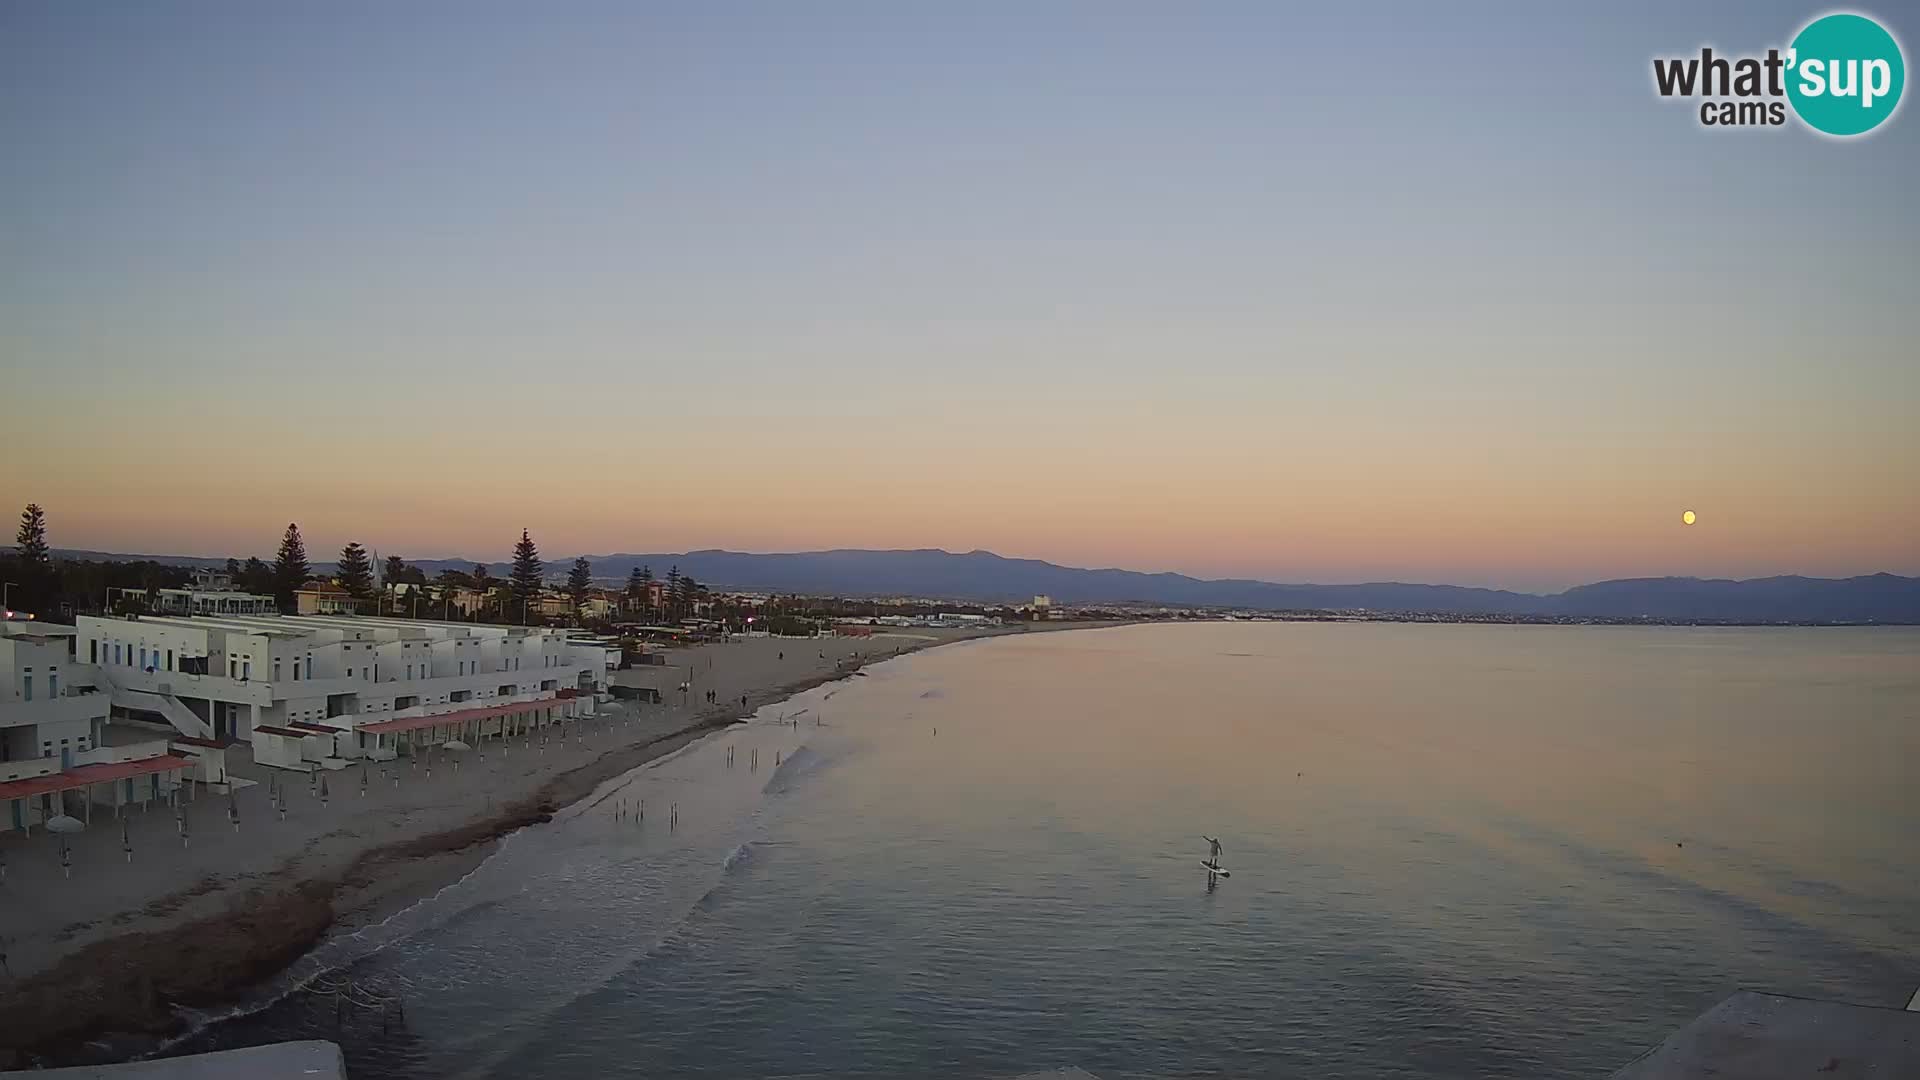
[1212,869]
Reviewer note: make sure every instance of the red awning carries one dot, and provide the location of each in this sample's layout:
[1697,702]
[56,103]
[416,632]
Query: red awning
[103,773]
[414,723]
[35,785]
[285,732]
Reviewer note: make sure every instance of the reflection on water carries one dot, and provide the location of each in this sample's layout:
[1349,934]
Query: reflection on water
[1457,851]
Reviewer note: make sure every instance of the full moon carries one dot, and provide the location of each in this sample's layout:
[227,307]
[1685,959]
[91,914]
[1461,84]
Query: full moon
[1686,518]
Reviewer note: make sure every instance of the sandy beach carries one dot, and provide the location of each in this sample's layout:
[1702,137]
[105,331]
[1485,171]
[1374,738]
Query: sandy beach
[117,945]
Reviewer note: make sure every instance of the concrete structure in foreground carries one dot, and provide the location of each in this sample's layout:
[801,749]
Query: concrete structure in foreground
[307,1060]
[1770,1037]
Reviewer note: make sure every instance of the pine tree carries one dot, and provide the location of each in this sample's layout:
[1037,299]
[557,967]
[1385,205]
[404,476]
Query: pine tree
[526,575]
[646,587]
[636,589]
[356,571]
[396,570]
[290,569]
[37,587]
[233,570]
[30,545]
[689,592]
[671,595]
[579,583]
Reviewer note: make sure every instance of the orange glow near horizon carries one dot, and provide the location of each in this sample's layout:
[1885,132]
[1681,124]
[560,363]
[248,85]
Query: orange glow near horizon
[1507,512]
[667,279]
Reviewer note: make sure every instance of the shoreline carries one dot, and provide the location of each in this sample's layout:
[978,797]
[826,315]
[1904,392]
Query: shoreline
[95,1003]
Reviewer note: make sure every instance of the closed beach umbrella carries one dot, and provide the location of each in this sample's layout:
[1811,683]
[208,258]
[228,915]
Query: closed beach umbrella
[64,823]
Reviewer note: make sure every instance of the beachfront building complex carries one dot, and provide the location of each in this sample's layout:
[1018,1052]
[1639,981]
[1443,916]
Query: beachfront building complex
[318,691]
[303,693]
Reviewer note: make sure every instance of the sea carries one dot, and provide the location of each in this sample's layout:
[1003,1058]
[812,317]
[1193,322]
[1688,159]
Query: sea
[1455,851]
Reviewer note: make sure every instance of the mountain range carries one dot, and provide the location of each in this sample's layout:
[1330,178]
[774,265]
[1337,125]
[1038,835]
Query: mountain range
[985,576]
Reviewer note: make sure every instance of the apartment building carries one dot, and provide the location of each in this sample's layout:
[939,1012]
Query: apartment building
[316,691]
[53,716]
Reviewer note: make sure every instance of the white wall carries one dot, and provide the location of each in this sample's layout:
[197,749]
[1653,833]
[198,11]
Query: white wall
[165,642]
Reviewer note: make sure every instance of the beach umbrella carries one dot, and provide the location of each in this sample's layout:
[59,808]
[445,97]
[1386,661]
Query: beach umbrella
[455,744]
[65,823]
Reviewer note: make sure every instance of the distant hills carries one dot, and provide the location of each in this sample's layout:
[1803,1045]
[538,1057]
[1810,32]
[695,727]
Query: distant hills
[984,576]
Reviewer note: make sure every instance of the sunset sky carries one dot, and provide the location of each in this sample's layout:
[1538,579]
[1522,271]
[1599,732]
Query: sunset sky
[1323,293]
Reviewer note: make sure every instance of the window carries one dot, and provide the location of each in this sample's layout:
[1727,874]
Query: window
[116,653]
[143,658]
[309,667]
[53,684]
[26,683]
[276,671]
[409,672]
[233,668]
[93,650]
[246,670]
[169,659]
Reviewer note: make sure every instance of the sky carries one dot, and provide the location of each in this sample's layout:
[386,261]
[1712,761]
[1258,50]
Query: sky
[1299,292]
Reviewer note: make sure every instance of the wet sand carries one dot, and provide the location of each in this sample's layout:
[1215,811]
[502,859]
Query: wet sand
[115,948]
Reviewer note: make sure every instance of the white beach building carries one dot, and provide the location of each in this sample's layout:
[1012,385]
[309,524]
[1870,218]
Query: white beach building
[319,691]
[211,592]
[53,715]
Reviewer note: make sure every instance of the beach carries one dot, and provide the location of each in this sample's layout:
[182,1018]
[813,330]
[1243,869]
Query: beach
[116,946]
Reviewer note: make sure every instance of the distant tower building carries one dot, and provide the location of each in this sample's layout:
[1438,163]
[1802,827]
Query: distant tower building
[1042,607]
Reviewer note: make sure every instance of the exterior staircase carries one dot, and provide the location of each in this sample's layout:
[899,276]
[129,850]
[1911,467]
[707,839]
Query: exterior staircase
[176,713]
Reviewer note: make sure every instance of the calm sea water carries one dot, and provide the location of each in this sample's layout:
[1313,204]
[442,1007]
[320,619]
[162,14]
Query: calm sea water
[1457,851]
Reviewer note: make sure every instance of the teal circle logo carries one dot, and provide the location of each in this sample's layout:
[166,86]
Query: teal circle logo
[1845,74]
